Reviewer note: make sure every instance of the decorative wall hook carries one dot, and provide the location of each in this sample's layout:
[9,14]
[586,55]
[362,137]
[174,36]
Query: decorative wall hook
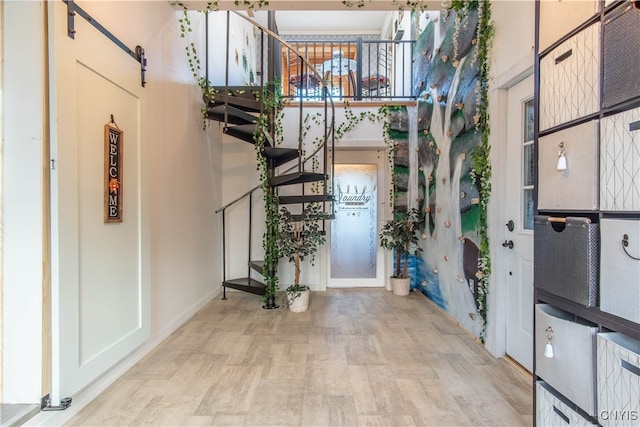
[561,165]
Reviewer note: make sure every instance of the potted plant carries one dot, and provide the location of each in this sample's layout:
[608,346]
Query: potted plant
[299,238]
[399,235]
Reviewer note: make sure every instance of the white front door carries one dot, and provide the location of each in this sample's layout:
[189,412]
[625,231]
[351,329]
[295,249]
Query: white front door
[100,276]
[355,256]
[517,246]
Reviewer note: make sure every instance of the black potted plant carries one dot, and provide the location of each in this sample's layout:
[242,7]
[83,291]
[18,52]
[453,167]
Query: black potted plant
[299,238]
[399,235]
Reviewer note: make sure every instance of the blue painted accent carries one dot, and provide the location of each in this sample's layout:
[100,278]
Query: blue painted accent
[426,281]
[420,272]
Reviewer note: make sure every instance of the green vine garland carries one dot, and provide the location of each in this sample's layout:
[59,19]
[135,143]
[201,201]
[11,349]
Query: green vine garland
[481,159]
[272,102]
[381,116]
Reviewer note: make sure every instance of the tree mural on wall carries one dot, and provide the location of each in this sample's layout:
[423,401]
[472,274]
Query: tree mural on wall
[436,167]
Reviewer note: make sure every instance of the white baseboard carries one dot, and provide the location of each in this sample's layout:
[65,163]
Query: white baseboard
[100,384]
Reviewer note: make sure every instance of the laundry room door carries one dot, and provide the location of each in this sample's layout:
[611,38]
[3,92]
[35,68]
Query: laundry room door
[100,277]
[517,247]
[355,256]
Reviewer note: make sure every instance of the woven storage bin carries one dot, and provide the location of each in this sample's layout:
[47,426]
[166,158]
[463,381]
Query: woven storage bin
[570,79]
[621,55]
[553,410]
[566,258]
[618,380]
[572,368]
[576,187]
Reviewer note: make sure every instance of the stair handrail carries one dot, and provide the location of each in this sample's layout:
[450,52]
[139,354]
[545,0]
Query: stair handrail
[311,67]
[328,98]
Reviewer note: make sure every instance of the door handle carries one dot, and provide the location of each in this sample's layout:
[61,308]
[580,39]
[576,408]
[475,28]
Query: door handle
[508,244]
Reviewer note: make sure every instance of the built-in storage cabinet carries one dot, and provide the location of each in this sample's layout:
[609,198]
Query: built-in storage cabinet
[587,222]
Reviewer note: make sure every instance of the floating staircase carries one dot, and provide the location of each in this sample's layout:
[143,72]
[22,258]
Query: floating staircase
[239,108]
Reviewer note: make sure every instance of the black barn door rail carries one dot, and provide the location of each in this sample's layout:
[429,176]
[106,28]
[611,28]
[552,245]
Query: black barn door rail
[138,54]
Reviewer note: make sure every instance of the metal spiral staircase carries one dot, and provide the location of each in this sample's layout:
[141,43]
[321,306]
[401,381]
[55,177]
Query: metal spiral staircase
[240,109]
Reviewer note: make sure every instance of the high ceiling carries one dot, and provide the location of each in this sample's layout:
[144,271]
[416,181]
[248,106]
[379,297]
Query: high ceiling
[320,22]
[293,5]
[320,16]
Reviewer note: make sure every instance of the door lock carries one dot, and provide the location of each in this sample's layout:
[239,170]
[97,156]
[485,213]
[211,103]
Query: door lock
[508,244]
[510,225]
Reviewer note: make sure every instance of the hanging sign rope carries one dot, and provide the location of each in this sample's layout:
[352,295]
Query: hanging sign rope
[113,148]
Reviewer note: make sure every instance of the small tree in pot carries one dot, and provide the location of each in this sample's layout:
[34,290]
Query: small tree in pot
[399,235]
[300,238]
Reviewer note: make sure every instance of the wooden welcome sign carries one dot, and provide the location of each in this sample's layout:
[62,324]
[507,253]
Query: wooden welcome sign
[113,148]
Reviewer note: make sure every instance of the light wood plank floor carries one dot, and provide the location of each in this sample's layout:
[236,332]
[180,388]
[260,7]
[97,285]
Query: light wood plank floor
[358,357]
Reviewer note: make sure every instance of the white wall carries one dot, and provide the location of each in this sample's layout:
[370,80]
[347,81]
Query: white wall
[513,42]
[181,185]
[22,201]
[243,41]
[511,60]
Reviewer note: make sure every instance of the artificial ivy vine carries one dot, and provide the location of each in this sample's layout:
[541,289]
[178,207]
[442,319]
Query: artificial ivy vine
[381,116]
[414,6]
[481,161]
[272,102]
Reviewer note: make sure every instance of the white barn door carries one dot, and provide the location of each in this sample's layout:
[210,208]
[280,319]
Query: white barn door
[100,269]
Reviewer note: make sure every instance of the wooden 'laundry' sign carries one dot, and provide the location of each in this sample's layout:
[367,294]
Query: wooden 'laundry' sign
[113,148]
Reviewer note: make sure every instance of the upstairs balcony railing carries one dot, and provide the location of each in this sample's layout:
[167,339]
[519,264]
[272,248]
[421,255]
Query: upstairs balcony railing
[375,70]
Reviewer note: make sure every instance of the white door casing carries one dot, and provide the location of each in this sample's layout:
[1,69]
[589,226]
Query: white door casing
[517,247]
[375,157]
[100,281]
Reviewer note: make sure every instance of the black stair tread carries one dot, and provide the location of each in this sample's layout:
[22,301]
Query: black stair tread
[257,266]
[243,132]
[234,115]
[277,156]
[296,178]
[246,284]
[289,200]
[243,97]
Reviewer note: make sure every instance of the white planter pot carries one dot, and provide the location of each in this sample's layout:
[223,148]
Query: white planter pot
[301,303]
[400,287]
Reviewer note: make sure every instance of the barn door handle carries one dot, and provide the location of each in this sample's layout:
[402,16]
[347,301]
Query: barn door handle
[625,243]
[634,126]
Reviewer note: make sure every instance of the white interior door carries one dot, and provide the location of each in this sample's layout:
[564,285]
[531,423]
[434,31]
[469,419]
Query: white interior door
[101,278]
[355,256]
[519,209]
